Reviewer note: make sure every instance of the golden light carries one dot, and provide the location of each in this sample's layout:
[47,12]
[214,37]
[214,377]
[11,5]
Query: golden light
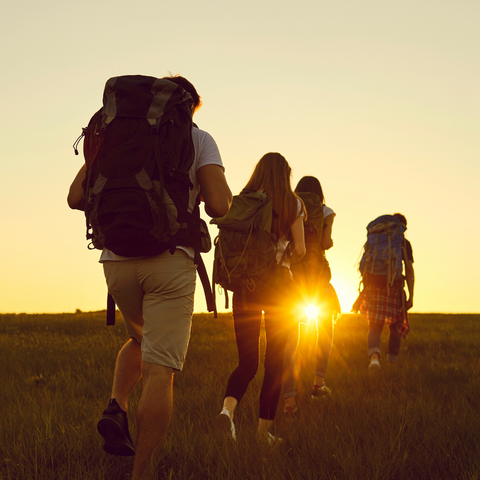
[311,311]
[347,291]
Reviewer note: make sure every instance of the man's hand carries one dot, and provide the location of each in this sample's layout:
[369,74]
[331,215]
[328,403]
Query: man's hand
[409,303]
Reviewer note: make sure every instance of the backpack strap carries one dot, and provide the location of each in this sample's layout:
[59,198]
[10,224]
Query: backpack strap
[214,291]
[110,310]
[209,296]
[195,230]
[158,158]
[202,271]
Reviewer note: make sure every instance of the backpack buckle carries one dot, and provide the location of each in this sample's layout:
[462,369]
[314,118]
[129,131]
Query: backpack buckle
[153,125]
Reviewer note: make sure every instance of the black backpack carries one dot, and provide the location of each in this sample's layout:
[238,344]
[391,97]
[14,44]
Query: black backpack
[138,151]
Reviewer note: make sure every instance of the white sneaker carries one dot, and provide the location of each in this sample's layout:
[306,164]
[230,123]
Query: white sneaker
[224,425]
[272,439]
[374,364]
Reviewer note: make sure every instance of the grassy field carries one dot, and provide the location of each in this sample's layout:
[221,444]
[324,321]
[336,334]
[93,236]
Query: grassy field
[417,420]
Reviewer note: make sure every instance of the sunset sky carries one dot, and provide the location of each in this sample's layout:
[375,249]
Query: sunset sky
[378,99]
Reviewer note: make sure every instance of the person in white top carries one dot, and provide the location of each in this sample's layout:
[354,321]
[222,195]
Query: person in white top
[315,282]
[155,296]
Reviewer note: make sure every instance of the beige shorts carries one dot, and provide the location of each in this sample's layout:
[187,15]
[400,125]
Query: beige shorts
[155,296]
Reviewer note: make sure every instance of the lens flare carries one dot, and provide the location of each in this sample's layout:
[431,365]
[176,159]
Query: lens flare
[311,311]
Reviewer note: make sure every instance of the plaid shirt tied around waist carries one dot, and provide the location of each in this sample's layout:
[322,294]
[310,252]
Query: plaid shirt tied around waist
[384,306]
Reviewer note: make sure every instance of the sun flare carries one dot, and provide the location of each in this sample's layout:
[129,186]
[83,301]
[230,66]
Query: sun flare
[311,311]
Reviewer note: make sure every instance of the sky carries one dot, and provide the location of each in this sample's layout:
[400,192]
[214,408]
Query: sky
[380,100]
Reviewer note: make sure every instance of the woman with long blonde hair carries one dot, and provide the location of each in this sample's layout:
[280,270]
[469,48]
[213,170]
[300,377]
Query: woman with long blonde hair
[272,175]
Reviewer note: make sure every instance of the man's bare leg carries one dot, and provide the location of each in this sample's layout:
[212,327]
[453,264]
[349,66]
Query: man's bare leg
[128,371]
[153,416]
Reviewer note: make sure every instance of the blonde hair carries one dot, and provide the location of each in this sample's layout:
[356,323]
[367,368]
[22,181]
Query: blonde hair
[272,175]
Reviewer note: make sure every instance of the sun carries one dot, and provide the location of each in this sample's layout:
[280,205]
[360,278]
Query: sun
[311,311]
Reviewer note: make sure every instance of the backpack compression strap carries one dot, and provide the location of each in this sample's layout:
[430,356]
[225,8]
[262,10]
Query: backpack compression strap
[209,296]
[202,271]
[110,310]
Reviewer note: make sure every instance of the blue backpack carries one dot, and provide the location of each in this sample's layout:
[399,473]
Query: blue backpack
[383,249]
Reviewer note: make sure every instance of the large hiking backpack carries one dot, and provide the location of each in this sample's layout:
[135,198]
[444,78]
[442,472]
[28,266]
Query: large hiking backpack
[138,151]
[313,268]
[245,248]
[383,249]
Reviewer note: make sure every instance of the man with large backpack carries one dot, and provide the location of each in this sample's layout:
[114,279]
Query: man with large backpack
[146,168]
[383,300]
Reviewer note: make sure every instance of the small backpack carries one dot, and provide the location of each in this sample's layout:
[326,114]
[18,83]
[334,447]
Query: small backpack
[383,249]
[245,248]
[138,150]
[313,267]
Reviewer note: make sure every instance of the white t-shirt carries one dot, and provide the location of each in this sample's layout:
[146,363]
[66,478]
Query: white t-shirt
[206,153]
[327,211]
[283,242]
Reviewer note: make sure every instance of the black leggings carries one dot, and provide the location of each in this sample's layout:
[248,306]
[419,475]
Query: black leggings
[247,333]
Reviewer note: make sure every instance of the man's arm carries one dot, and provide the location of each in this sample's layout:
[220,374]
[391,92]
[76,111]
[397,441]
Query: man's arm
[410,277]
[214,190]
[76,198]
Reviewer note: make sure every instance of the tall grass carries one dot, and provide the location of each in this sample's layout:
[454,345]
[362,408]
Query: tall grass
[418,419]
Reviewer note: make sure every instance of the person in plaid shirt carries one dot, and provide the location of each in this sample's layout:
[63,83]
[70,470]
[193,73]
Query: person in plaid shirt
[381,306]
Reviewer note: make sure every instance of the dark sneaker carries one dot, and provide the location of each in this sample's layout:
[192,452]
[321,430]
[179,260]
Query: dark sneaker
[321,392]
[113,427]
